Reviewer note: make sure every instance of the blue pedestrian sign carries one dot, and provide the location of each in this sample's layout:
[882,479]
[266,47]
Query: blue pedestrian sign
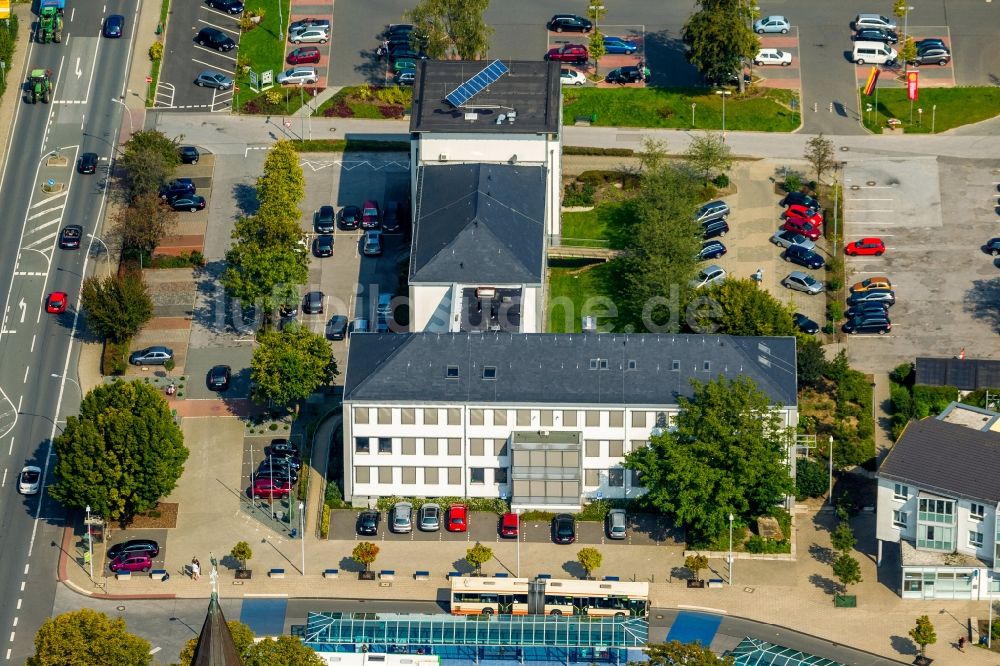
[51,182]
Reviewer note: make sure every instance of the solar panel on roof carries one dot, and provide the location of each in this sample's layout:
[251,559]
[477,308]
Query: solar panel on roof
[477,83]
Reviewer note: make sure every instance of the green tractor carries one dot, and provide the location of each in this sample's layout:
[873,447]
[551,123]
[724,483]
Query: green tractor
[50,25]
[40,85]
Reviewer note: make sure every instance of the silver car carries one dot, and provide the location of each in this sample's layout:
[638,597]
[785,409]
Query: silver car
[785,238]
[713,210]
[799,281]
[310,35]
[430,517]
[402,518]
[213,79]
[616,524]
[772,24]
[709,275]
[298,76]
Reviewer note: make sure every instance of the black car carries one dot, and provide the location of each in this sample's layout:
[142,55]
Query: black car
[228,6]
[992,247]
[189,154]
[323,223]
[282,446]
[406,53]
[390,218]
[289,459]
[715,228]
[803,257]
[931,55]
[218,378]
[87,163]
[336,328]
[349,217]
[569,23]
[624,75]
[313,303]
[800,199]
[273,468]
[930,41]
[188,202]
[176,188]
[712,249]
[398,29]
[69,237]
[876,35]
[323,246]
[215,39]
[134,547]
[114,26]
[873,323]
[805,324]
[868,309]
[368,522]
[563,529]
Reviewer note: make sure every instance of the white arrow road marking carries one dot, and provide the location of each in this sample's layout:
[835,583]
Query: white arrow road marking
[79,72]
[24,309]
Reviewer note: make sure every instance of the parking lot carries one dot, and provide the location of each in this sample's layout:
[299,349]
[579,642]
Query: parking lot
[184,60]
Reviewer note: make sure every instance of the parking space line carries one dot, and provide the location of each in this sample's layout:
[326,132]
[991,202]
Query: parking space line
[218,27]
[213,51]
[202,62]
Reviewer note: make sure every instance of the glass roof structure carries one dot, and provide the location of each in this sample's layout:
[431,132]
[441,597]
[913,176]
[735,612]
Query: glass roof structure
[377,629]
[754,652]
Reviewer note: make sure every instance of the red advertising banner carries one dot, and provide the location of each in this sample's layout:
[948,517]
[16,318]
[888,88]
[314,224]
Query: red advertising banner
[872,81]
[912,85]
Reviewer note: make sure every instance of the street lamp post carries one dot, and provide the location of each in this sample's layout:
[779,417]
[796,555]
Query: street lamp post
[933,117]
[56,375]
[106,250]
[302,534]
[725,94]
[906,36]
[830,452]
[90,545]
[730,549]
[693,105]
[128,111]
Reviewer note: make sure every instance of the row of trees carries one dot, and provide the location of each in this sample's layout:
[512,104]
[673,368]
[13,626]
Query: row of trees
[149,159]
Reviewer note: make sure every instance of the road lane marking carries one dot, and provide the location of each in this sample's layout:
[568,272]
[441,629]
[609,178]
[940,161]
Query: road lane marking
[47,224]
[26,370]
[219,27]
[4,482]
[11,449]
[214,52]
[48,199]
[18,604]
[41,241]
[33,343]
[47,211]
[202,62]
[26,274]
[15,621]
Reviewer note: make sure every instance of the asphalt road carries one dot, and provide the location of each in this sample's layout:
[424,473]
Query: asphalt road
[184,60]
[88,72]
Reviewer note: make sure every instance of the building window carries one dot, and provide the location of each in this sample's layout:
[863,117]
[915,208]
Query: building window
[592,448]
[675,365]
[361,445]
[385,475]
[635,478]
[639,419]
[524,417]
[409,476]
[569,418]
[430,447]
[362,474]
[631,364]
[489,372]
[384,416]
[500,475]
[935,537]
[455,476]
[900,492]
[430,417]
[451,372]
[409,446]
[500,448]
[593,419]
[431,476]
[406,416]
[899,518]
[385,445]
[499,417]
[361,415]
[936,511]
[454,416]
[454,447]
[616,477]
[616,448]
[707,366]
[975,539]
[616,419]
[476,417]
[592,477]
[477,447]
[545,418]
[977,511]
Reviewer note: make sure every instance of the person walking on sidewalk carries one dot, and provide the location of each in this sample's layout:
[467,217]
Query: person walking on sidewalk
[961,643]
[195,568]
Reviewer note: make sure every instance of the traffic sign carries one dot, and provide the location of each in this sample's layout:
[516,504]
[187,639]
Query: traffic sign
[149,79]
[288,123]
[51,182]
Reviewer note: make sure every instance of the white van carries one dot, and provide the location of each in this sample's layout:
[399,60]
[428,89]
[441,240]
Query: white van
[874,53]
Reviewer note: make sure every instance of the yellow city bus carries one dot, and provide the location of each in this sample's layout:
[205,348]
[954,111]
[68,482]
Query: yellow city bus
[524,596]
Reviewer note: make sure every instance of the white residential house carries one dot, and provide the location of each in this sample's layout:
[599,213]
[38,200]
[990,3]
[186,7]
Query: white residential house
[542,420]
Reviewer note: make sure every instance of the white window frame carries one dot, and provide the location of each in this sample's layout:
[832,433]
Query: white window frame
[975,539]
[896,494]
[979,515]
[899,518]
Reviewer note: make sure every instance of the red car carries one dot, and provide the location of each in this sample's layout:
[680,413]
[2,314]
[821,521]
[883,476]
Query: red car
[574,53]
[866,246]
[800,226]
[457,518]
[804,213]
[268,488]
[56,302]
[131,562]
[303,55]
[508,525]
[371,215]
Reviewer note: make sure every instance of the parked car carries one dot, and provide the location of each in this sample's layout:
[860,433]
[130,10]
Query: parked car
[271,488]
[992,247]
[213,38]
[708,276]
[572,53]
[797,254]
[336,328]
[56,302]
[406,78]
[886,296]
[296,26]
[323,220]
[310,35]
[278,469]
[373,244]
[713,210]
[772,24]
[930,41]
[189,154]
[883,35]
[619,46]
[878,282]
[803,213]
[772,57]
[368,522]
[569,23]
[87,163]
[430,517]
[931,55]
[157,355]
[390,217]
[323,246]
[304,55]
[189,202]
[872,21]
[299,75]
[29,480]
[868,308]
[865,246]
[563,529]
[458,518]
[69,237]
[616,524]
[114,26]
[212,79]
[228,6]
[800,281]
[868,324]
[799,226]
[176,188]
[131,563]
[402,518]
[282,446]
[509,525]
[805,324]
[785,238]
[371,215]
[405,65]
[399,29]
[218,378]
[349,217]
[624,75]
[712,249]
[146,547]
[312,303]
[571,77]
[714,228]
[800,199]
[359,325]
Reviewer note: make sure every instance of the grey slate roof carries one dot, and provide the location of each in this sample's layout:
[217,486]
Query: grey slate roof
[946,458]
[965,374]
[479,224]
[531,88]
[556,369]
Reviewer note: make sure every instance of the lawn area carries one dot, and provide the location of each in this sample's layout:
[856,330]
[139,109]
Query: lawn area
[955,107]
[572,292]
[595,228]
[263,48]
[764,109]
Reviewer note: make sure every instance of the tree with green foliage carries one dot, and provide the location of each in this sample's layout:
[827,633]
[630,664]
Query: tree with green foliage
[288,365]
[907,50]
[121,454]
[740,307]
[708,155]
[282,651]
[720,39]
[923,634]
[243,638]
[282,186]
[479,555]
[264,274]
[727,455]
[117,306]
[241,552]
[452,27]
[811,478]
[590,559]
[694,564]
[148,160]
[595,12]
[847,570]
[842,538]
[143,224]
[365,553]
[676,653]
[819,153]
[88,637]
[811,360]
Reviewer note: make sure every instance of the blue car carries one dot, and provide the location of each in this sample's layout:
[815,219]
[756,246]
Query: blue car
[114,25]
[620,45]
